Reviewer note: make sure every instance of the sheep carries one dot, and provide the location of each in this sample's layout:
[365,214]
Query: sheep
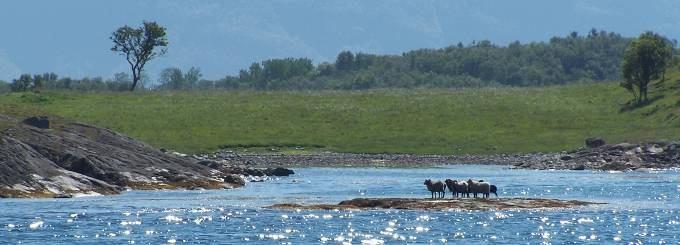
[457,187]
[436,186]
[479,187]
[493,190]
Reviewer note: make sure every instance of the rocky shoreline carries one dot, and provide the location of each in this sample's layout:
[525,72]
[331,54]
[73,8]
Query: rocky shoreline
[441,204]
[599,156]
[51,157]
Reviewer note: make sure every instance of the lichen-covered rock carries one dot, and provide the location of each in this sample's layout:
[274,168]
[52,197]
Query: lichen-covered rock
[74,158]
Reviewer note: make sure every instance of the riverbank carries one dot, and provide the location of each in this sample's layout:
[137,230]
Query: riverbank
[620,157]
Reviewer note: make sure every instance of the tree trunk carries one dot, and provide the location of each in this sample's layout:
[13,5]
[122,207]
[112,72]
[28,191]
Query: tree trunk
[135,79]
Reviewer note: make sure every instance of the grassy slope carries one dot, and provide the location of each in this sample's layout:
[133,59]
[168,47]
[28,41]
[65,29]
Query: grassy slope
[421,121]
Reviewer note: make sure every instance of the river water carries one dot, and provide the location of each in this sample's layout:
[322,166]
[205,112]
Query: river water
[644,207]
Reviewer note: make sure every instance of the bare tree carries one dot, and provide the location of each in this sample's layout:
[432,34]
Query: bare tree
[138,46]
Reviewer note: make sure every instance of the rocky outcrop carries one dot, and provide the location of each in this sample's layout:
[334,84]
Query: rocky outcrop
[244,170]
[617,157]
[38,122]
[442,204]
[68,158]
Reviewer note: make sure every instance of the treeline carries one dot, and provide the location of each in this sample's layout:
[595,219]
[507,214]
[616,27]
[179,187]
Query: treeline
[51,81]
[596,56]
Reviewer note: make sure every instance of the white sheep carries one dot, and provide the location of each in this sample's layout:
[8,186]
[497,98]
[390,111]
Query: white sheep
[479,187]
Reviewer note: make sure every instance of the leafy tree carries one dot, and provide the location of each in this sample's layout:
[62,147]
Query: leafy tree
[23,83]
[345,61]
[256,77]
[121,81]
[138,45]
[192,77]
[172,78]
[325,69]
[645,59]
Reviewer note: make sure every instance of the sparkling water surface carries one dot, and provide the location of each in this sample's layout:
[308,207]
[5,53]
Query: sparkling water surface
[644,207]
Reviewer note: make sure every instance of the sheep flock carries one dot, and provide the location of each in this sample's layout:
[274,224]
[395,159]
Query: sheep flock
[460,188]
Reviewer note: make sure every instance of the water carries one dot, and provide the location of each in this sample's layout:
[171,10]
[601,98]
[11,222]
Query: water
[644,207]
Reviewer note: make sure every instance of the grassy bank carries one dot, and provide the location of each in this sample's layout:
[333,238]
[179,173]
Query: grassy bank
[484,120]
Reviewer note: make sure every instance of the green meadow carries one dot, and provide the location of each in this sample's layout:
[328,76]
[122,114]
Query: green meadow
[479,120]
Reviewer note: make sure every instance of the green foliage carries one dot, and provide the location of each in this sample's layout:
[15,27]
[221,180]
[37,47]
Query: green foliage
[645,59]
[138,45]
[467,120]
[274,72]
[23,83]
[345,61]
[594,57]
[50,81]
[173,79]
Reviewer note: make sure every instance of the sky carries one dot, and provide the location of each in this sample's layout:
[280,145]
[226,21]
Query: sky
[71,38]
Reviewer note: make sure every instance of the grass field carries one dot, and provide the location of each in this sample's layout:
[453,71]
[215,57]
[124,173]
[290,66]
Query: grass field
[405,121]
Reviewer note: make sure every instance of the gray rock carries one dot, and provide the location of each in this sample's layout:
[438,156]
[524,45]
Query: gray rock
[594,142]
[38,122]
[654,149]
[78,158]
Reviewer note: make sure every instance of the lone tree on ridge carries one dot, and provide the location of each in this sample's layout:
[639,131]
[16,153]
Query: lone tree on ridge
[138,46]
[645,59]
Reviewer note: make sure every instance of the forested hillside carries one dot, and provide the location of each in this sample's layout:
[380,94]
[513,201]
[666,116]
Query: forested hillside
[595,56]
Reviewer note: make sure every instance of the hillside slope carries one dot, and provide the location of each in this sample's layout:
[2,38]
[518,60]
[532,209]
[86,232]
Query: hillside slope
[487,120]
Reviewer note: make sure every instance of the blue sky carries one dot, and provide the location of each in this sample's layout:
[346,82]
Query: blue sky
[221,37]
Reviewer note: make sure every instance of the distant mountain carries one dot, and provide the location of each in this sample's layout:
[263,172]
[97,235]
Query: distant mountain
[71,38]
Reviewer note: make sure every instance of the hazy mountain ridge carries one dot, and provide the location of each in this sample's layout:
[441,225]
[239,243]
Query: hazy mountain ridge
[223,37]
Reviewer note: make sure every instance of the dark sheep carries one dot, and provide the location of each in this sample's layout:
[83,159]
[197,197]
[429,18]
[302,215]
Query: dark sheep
[493,190]
[457,187]
[436,186]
